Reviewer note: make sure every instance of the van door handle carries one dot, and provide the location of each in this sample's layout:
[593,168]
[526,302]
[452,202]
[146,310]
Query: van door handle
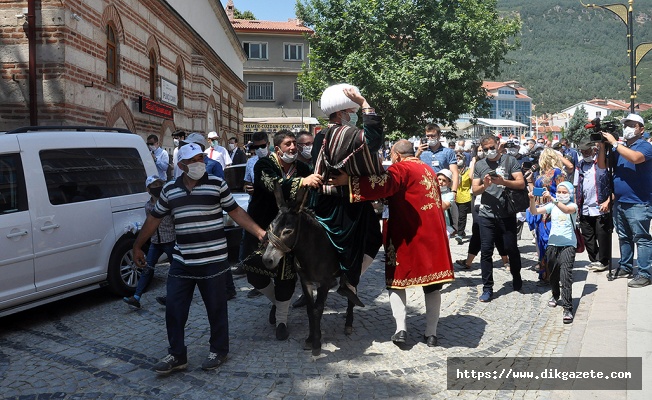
[16,234]
[48,227]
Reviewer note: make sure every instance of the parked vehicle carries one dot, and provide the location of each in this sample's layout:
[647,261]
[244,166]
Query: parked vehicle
[71,203]
[234,176]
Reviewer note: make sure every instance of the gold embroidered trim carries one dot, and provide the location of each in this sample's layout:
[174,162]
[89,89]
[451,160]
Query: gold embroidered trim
[379,180]
[438,277]
[355,192]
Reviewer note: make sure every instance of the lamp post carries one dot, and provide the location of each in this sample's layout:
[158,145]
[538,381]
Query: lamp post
[625,13]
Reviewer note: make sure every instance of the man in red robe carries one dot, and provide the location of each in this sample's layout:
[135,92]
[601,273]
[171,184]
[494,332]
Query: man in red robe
[416,245]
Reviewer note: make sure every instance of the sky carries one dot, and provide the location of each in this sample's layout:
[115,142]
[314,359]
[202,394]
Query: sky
[269,10]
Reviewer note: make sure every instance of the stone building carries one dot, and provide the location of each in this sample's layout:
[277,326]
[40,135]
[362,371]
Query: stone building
[152,66]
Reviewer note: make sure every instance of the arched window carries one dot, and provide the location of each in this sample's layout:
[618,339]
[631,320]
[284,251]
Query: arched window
[152,75]
[111,55]
[179,88]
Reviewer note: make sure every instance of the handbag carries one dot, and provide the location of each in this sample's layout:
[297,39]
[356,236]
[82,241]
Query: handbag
[580,239]
[516,200]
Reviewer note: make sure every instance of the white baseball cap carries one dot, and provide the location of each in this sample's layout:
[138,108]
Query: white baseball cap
[197,138]
[212,135]
[447,173]
[188,151]
[633,117]
[152,179]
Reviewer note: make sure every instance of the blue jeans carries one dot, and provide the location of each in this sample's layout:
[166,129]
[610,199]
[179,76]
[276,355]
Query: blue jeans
[632,223]
[153,254]
[490,229]
[180,292]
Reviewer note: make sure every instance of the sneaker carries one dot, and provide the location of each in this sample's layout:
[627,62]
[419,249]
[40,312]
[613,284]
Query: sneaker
[132,301]
[567,316]
[282,332]
[599,267]
[238,270]
[170,363]
[459,239]
[622,272]
[486,296]
[253,293]
[161,300]
[213,361]
[552,302]
[638,281]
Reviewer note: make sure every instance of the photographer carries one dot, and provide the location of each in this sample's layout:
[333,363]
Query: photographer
[632,172]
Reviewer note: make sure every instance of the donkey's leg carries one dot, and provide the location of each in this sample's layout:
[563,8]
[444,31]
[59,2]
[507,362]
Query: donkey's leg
[348,324]
[317,312]
[310,305]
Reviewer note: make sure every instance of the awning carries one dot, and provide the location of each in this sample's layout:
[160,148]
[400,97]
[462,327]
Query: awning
[278,123]
[500,123]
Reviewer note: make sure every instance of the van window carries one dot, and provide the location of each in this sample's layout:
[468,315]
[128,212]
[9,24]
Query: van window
[74,175]
[13,196]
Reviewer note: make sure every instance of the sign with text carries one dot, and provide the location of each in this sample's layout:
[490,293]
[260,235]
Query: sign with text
[253,127]
[169,92]
[151,107]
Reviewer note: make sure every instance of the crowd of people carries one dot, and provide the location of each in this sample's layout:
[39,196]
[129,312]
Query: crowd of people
[429,190]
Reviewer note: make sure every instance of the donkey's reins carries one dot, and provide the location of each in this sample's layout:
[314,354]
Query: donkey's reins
[278,243]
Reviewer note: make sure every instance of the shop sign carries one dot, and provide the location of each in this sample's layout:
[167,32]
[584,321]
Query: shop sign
[151,107]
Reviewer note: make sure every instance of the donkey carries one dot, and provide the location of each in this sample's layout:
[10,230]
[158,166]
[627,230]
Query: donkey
[316,259]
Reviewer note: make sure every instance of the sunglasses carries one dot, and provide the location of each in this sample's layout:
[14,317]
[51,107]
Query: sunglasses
[150,143]
[489,148]
[257,146]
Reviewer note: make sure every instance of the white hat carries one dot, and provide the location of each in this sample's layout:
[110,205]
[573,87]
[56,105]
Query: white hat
[333,99]
[152,179]
[212,135]
[447,173]
[195,138]
[633,117]
[188,151]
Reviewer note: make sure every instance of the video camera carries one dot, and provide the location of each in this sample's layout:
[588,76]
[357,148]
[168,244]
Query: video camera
[596,136]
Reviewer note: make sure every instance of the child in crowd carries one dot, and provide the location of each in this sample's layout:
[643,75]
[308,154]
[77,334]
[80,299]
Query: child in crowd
[562,243]
[161,242]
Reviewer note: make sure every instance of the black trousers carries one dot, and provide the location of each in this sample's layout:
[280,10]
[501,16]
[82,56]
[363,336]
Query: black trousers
[463,209]
[490,229]
[475,244]
[596,232]
[560,264]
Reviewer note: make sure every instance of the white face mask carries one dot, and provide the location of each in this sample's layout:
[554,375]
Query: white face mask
[629,132]
[564,198]
[289,158]
[588,159]
[491,154]
[262,152]
[151,147]
[480,155]
[460,164]
[444,189]
[176,142]
[307,152]
[433,142]
[196,170]
[231,146]
[512,152]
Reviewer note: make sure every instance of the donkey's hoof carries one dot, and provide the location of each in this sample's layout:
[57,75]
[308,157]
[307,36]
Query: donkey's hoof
[316,352]
[272,316]
[348,330]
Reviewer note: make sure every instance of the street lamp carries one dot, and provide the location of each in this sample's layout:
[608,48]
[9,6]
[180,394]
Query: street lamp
[625,14]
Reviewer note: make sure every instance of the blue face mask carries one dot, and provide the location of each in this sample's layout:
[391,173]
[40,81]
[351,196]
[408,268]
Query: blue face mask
[353,119]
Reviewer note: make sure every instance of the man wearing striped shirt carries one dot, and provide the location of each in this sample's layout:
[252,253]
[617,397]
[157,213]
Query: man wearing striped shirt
[195,201]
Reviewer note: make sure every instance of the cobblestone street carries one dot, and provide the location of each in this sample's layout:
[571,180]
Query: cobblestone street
[95,346]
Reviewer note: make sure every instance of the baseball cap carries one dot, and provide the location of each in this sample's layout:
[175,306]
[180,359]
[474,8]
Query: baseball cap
[197,138]
[633,117]
[212,135]
[188,151]
[585,146]
[447,173]
[152,179]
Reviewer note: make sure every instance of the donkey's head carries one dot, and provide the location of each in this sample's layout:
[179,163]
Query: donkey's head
[283,232]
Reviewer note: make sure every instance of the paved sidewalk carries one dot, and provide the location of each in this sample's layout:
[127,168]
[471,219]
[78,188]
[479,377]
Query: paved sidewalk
[94,346]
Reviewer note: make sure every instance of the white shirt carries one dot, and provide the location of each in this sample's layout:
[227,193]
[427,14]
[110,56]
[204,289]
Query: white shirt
[219,154]
[177,171]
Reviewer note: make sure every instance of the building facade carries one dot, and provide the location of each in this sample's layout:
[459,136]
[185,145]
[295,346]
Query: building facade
[152,66]
[275,54]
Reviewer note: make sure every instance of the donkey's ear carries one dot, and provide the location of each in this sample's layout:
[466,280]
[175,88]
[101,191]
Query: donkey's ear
[278,193]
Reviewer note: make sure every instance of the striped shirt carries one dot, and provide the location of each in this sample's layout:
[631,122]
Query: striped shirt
[198,218]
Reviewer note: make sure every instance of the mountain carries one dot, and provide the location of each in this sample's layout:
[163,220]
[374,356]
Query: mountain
[570,53]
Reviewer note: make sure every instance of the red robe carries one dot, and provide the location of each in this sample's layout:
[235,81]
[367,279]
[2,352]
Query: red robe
[417,252]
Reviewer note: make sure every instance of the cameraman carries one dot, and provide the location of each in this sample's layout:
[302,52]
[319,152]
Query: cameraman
[632,172]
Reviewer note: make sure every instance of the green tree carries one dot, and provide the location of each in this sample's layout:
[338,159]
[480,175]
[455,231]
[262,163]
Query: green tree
[576,130]
[243,15]
[415,60]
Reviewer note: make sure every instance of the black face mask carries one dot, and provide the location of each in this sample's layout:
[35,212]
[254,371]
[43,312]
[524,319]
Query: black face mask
[156,192]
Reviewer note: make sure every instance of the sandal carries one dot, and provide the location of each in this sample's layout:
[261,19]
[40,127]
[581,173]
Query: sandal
[506,266]
[462,263]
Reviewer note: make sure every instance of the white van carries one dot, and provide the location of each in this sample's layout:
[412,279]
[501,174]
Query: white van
[71,202]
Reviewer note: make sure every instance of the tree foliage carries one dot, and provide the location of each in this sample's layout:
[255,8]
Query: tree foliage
[576,131]
[414,60]
[243,15]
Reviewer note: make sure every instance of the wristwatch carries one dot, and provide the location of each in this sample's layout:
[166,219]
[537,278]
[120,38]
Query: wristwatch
[615,146]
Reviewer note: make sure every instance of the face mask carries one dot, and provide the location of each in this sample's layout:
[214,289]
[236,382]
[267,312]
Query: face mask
[491,154]
[444,189]
[151,147]
[353,119]
[629,132]
[196,170]
[480,155]
[231,146]
[262,152]
[156,192]
[289,158]
[564,198]
[433,142]
[460,163]
[588,159]
[176,142]
[216,144]
[306,152]
[512,152]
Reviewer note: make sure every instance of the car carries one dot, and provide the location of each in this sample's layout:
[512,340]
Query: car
[71,203]
[234,176]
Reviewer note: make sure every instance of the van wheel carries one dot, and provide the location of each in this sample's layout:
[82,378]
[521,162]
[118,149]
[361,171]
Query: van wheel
[123,274]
